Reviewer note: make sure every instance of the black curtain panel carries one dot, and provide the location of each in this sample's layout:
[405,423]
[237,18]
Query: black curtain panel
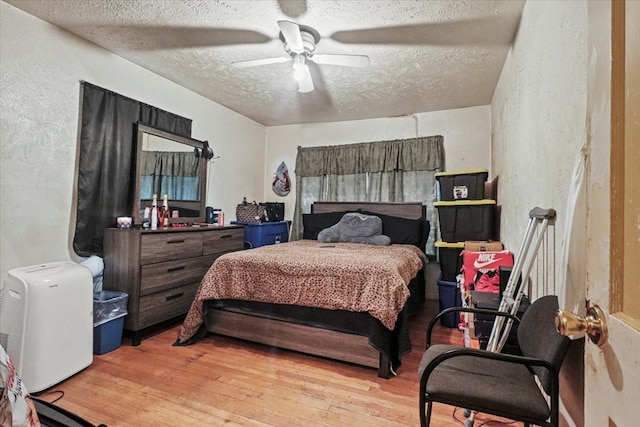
[107,160]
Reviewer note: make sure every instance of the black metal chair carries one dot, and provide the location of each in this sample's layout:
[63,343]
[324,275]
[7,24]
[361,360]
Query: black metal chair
[496,383]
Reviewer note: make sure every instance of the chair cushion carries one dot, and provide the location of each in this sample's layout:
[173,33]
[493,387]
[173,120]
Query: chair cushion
[484,385]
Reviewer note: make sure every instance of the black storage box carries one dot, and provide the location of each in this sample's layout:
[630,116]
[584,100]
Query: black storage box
[450,258]
[466,220]
[483,323]
[483,330]
[461,185]
[505,274]
[491,301]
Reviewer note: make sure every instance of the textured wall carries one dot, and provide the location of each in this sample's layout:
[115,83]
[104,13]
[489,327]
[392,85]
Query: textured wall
[538,114]
[41,69]
[539,127]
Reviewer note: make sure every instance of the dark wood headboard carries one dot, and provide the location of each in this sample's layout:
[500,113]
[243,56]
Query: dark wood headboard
[409,210]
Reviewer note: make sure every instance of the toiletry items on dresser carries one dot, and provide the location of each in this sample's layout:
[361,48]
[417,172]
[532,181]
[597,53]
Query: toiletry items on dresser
[161,270]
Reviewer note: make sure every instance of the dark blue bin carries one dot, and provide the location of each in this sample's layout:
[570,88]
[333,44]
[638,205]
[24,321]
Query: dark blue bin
[109,310]
[264,233]
[108,336]
[449,295]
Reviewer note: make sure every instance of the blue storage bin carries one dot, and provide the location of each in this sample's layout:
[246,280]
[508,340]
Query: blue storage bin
[109,309]
[108,336]
[264,233]
[449,295]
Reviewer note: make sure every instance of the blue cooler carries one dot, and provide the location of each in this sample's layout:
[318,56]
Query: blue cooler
[258,234]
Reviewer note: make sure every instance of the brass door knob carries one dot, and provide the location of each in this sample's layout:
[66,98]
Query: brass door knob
[594,324]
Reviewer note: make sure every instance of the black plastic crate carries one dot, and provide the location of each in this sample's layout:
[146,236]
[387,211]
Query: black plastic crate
[450,258]
[466,220]
[462,185]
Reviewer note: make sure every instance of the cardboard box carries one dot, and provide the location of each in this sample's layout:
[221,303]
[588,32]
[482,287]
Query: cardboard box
[483,246]
[491,189]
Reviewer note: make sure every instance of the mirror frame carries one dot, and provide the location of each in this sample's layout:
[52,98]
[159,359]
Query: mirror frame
[146,129]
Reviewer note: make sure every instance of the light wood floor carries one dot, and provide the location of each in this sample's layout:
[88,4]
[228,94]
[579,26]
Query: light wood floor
[225,381]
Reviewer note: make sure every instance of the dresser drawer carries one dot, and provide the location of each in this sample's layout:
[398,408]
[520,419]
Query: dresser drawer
[164,305]
[224,240]
[167,275]
[169,246]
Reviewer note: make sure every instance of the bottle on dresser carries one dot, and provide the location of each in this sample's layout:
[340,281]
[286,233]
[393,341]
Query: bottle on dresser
[165,214]
[146,222]
[154,212]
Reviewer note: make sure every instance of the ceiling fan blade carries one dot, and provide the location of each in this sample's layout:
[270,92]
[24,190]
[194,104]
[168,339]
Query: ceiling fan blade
[305,84]
[163,37]
[293,8]
[345,60]
[291,33]
[478,31]
[258,62]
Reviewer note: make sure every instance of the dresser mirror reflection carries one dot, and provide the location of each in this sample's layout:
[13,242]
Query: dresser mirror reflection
[172,165]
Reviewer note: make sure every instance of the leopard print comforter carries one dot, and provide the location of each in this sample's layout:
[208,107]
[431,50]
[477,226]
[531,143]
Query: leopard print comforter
[339,276]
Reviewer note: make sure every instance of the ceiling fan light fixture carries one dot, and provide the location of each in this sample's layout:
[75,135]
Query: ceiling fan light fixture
[300,72]
[300,69]
[299,43]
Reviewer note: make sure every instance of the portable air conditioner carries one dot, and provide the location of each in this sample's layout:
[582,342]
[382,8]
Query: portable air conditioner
[46,322]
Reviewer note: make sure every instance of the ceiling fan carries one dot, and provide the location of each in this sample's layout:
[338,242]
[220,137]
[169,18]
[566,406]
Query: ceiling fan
[300,44]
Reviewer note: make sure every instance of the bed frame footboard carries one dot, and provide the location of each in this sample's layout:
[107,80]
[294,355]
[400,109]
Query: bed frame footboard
[305,339]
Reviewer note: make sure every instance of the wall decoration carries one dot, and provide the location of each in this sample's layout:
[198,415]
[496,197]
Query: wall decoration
[282,183]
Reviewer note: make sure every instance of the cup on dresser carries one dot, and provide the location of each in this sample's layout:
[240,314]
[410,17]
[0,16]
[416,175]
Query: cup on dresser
[124,222]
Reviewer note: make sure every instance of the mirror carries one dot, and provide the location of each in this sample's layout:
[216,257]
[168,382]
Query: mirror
[173,165]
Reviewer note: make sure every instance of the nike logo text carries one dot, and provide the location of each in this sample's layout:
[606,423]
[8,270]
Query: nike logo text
[479,264]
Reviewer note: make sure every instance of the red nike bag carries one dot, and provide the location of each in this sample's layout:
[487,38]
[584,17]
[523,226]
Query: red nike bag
[482,269]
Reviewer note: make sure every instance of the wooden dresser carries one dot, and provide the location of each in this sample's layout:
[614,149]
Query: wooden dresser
[161,270]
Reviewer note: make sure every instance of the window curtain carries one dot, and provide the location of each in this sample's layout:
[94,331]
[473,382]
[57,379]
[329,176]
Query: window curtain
[384,171]
[176,174]
[107,160]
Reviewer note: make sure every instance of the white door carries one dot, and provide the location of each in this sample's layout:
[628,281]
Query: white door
[612,372]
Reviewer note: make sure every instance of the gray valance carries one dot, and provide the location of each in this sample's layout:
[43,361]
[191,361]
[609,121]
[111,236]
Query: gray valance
[414,154]
[166,163]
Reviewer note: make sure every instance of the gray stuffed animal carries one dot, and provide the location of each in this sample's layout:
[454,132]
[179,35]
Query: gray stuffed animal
[356,228]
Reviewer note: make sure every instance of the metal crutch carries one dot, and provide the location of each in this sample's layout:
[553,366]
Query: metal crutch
[512,295]
[510,302]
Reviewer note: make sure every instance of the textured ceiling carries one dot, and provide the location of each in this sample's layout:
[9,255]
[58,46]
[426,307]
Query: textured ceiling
[426,55]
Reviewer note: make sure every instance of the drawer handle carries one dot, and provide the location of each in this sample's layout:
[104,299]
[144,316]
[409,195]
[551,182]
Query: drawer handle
[226,236]
[176,296]
[172,269]
[175,241]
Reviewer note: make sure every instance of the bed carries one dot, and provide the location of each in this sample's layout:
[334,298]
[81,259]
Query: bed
[288,296]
